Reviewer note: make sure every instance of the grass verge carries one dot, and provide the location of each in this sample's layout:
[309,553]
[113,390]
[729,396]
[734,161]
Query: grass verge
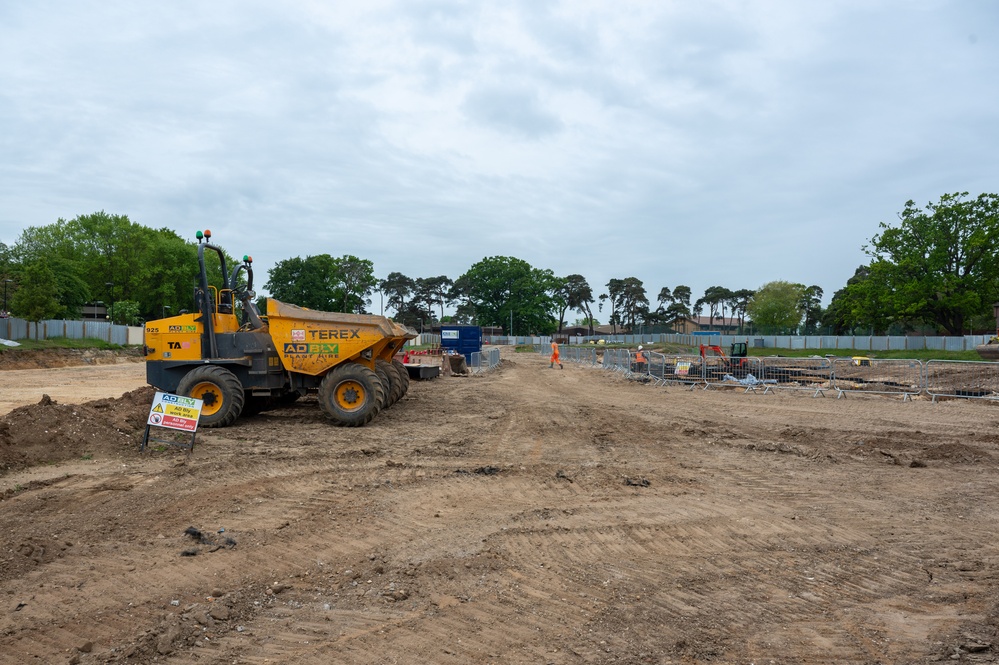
[61,343]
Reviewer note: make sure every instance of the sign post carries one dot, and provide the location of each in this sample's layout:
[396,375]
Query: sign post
[175,413]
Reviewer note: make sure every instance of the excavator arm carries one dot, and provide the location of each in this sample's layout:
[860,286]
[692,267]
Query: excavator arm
[715,348]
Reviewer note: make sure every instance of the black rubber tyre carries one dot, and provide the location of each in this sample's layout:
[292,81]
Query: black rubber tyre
[386,385]
[351,395]
[219,390]
[403,373]
[394,385]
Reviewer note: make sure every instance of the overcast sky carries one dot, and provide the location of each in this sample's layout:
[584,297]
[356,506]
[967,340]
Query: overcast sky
[703,143]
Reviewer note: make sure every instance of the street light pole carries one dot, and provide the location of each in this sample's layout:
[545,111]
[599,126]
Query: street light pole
[110,286]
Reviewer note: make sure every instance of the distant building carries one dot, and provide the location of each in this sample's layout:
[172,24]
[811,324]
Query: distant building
[575,331]
[94,311]
[690,324]
[584,331]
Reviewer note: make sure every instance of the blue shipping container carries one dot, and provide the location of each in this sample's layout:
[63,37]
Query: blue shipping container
[465,340]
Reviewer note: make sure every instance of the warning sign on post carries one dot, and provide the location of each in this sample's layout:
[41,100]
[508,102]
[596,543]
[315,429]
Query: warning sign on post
[175,412]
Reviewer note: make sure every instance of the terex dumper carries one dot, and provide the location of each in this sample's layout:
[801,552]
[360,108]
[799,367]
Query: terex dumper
[240,362]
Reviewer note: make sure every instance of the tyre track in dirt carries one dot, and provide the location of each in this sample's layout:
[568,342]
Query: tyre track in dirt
[488,519]
[713,534]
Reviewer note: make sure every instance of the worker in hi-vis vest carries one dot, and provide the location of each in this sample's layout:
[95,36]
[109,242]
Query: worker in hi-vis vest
[641,363]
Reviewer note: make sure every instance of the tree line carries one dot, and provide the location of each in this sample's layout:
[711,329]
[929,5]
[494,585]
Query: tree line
[937,270]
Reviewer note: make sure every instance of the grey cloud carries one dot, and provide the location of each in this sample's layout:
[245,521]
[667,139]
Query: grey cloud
[514,110]
[714,142]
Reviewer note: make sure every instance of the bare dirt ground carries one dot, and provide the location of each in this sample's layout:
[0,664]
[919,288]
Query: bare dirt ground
[528,515]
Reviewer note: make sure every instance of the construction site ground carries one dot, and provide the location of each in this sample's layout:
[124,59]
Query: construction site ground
[525,515]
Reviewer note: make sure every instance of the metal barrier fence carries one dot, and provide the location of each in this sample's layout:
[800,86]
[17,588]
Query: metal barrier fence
[747,372]
[618,360]
[899,377]
[579,355]
[961,378]
[424,339]
[15,329]
[817,342]
[812,374]
[871,375]
[675,369]
[480,361]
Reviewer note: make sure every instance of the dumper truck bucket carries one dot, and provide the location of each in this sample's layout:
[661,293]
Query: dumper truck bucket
[313,342]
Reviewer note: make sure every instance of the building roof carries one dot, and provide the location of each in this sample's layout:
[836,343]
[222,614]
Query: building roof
[728,321]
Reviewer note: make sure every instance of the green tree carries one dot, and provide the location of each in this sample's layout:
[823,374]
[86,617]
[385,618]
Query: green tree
[940,265]
[682,295]
[107,248]
[37,298]
[415,314]
[847,311]
[126,312]
[434,292]
[561,301]
[716,298]
[7,262]
[308,282]
[167,274]
[628,301]
[674,305]
[356,282]
[665,297]
[100,256]
[738,302]
[776,307]
[579,297]
[573,293]
[613,318]
[811,305]
[697,308]
[460,296]
[502,287]
[861,306]
[408,296]
[636,302]
[397,289]
[72,290]
[324,283]
[674,312]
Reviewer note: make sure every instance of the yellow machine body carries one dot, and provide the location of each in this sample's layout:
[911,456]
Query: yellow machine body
[241,363]
[179,337]
[312,342]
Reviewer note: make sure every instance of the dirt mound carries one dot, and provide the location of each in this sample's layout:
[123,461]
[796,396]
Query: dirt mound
[14,358]
[49,432]
[958,452]
[584,517]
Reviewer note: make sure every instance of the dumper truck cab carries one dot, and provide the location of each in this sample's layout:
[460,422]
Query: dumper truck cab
[239,362]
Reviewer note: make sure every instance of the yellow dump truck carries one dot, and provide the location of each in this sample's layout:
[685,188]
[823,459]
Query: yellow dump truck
[240,362]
